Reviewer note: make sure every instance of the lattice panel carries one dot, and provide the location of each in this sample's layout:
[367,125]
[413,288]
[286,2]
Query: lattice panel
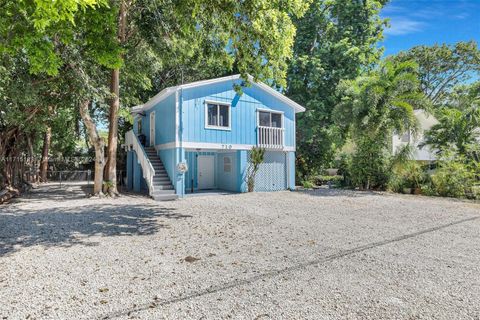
[272,175]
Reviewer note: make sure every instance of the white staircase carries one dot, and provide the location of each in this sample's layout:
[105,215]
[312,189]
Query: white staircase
[162,186]
[159,185]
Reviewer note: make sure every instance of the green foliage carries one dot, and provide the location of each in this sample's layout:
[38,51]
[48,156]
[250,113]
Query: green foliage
[369,167]
[458,127]
[336,40]
[409,174]
[443,67]
[453,179]
[323,179]
[307,184]
[382,102]
[372,108]
[257,156]
[107,184]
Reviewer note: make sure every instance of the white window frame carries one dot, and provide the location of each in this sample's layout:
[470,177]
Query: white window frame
[207,126]
[281,113]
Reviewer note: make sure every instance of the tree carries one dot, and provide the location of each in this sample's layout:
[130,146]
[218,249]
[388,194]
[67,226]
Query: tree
[458,129]
[257,36]
[257,156]
[372,108]
[336,40]
[443,67]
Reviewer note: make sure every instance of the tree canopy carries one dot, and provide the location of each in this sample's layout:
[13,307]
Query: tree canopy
[336,40]
[443,67]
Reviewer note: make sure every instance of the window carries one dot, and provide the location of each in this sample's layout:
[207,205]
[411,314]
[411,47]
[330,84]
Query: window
[227,164]
[217,116]
[405,137]
[270,119]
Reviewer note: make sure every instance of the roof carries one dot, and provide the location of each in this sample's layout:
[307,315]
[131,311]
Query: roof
[168,91]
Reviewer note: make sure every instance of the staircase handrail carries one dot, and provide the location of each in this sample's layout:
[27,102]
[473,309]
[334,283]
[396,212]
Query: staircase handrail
[131,140]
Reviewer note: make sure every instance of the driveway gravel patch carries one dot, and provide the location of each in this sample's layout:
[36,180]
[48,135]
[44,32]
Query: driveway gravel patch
[325,254]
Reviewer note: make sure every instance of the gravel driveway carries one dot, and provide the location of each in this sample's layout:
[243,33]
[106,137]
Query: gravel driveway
[285,255]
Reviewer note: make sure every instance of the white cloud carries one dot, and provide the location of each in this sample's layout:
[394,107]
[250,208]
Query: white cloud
[461,16]
[402,26]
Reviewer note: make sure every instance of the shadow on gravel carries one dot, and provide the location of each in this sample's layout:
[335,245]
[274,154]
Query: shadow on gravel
[65,227]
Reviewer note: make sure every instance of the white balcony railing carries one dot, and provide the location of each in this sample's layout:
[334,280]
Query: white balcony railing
[270,137]
[131,141]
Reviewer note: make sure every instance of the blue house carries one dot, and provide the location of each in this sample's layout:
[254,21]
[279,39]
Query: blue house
[198,136]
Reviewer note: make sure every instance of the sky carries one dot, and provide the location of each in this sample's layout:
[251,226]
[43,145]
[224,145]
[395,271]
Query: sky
[416,22]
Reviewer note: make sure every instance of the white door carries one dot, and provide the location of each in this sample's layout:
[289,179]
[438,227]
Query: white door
[206,171]
[152,129]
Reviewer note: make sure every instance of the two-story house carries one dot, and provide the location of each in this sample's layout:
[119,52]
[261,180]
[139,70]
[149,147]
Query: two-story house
[198,136]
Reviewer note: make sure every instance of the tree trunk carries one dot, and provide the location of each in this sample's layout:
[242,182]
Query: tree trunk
[97,142]
[111,166]
[46,146]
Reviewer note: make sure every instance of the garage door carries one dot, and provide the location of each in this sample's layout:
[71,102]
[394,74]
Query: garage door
[272,175]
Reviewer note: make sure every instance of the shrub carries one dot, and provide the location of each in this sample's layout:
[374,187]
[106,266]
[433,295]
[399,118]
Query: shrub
[408,174]
[453,179]
[322,179]
[369,168]
[344,165]
[257,156]
[307,184]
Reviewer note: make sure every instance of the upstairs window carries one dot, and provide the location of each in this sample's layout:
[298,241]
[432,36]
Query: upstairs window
[270,119]
[217,116]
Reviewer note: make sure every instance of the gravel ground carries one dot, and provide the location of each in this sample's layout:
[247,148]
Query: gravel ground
[286,255]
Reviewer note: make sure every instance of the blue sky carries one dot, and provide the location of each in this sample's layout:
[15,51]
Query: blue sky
[415,22]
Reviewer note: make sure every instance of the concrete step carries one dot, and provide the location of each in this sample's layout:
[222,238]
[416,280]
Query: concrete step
[163,192]
[157,164]
[161,178]
[166,197]
[162,187]
[160,174]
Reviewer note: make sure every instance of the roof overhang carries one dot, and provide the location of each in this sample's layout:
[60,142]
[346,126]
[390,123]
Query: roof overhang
[170,90]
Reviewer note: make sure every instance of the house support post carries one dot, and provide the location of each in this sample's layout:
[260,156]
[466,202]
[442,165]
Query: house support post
[291,170]
[137,174]
[130,165]
[242,164]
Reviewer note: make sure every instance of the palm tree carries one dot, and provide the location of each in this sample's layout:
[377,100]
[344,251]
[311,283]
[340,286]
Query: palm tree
[372,108]
[458,129]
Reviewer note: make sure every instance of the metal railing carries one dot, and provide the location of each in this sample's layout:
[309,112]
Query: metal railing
[270,137]
[132,143]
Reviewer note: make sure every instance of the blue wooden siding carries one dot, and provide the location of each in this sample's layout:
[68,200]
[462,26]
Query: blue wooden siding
[227,180]
[165,125]
[170,158]
[169,162]
[243,114]
[191,174]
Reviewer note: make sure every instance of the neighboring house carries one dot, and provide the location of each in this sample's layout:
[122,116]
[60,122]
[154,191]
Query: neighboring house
[425,121]
[197,136]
